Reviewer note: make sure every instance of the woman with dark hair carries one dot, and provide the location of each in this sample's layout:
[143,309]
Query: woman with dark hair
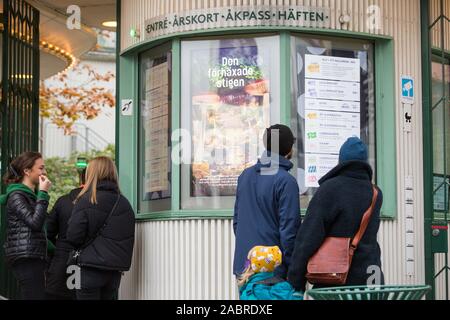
[101,229]
[26,201]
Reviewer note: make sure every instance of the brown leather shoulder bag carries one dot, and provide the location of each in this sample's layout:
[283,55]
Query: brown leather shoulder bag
[331,263]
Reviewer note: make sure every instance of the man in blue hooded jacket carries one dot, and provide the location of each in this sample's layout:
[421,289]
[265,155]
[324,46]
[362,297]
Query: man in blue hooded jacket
[267,208]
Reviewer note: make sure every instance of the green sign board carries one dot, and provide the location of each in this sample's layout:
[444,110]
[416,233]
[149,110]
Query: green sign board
[81,163]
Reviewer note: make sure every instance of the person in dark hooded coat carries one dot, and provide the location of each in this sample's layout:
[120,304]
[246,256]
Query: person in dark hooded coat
[57,224]
[336,210]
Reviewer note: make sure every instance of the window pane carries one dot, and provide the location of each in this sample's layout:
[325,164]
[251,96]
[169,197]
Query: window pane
[155,145]
[230,94]
[441,137]
[333,99]
[441,118]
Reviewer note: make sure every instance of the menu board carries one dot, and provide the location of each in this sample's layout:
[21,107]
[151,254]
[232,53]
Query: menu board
[332,111]
[156,124]
[230,109]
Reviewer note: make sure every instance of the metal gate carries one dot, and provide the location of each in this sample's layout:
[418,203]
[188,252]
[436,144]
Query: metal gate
[19,116]
[436,111]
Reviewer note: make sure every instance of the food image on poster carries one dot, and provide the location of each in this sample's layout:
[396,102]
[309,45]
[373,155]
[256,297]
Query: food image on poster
[332,111]
[230,109]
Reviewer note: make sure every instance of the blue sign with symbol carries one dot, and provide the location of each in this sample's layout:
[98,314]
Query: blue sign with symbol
[408,90]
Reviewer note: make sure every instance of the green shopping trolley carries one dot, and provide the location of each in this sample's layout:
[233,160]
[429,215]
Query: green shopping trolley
[370,293]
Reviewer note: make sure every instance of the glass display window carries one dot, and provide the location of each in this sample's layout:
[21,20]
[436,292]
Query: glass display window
[155,130]
[333,99]
[230,93]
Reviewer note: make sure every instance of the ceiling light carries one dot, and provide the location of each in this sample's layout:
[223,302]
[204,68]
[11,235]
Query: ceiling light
[110,24]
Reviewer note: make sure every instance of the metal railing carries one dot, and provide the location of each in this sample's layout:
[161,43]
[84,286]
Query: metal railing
[55,144]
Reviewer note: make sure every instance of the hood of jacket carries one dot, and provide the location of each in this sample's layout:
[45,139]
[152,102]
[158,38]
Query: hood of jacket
[269,162]
[19,187]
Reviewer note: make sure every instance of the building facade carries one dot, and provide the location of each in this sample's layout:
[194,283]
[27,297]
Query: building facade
[204,78]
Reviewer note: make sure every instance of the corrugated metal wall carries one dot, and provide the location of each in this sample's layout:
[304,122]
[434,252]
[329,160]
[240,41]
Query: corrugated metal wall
[435,11]
[135,12]
[192,259]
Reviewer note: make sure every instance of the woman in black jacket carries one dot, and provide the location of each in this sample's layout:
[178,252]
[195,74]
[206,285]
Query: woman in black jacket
[102,229]
[336,210]
[26,206]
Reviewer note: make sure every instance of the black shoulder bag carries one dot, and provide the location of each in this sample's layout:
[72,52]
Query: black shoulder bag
[75,254]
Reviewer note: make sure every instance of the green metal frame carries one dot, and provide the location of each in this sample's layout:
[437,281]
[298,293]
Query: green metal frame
[428,55]
[118,104]
[427,145]
[385,125]
[173,115]
[19,126]
[370,293]
[285,78]
[128,126]
[176,121]
[128,129]
[445,99]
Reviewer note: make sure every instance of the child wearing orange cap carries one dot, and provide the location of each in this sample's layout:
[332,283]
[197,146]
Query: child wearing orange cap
[258,281]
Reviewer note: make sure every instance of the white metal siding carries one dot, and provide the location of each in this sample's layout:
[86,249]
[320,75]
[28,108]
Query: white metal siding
[189,259]
[193,259]
[435,11]
[135,12]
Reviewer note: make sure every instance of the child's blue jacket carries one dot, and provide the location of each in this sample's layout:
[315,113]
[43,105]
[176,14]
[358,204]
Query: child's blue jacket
[253,290]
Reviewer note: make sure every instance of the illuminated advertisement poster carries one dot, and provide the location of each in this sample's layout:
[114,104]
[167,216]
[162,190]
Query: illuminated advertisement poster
[230,97]
[332,111]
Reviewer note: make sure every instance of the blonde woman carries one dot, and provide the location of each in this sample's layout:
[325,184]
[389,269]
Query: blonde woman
[101,230]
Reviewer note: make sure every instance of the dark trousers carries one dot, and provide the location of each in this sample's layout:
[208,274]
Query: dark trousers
[30,278]
[99,284]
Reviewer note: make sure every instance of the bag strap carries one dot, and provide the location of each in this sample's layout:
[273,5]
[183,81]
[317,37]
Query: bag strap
[365,220]
[103,226]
